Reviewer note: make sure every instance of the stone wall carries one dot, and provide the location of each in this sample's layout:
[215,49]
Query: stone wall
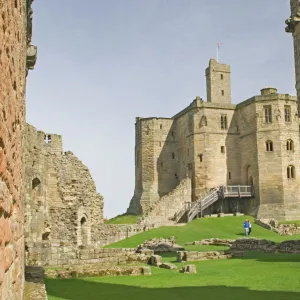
[112,233]
[62,204]
[163,212]
[60,254]
[282,229]
[15,37]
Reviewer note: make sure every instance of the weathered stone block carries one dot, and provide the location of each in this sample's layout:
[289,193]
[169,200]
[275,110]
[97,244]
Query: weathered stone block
[155,260]
[191,269]
[168,266]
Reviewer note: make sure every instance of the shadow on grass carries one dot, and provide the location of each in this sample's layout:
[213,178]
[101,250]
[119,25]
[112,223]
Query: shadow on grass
[271,257]
[75,289]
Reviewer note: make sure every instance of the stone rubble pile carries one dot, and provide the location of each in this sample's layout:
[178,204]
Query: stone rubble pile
[199,256]
[161,245]
[213,242]
[282,229]
[97,270]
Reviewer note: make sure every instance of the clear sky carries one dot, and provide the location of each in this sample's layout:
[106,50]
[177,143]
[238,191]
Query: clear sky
[103,63]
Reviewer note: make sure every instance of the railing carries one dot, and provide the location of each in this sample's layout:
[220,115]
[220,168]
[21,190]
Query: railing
[238,191]
[194,208]
[202,204]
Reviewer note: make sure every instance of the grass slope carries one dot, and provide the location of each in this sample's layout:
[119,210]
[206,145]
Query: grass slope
[257,276]
[123,219]
[227,227]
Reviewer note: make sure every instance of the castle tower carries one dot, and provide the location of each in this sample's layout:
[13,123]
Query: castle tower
[293,27]
[218,82]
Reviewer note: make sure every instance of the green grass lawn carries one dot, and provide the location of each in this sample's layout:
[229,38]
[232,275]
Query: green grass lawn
[123,219]
[254,277]
[295,222]
[227,227]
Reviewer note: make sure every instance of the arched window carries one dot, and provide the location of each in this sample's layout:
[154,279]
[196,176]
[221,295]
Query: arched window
[35,183]
[289,145]
[269,146]
[291,172]
[84,231]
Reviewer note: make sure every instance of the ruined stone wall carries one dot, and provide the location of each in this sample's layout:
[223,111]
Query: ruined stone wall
[62,204]
[164,211]
[15,36]
[46,253]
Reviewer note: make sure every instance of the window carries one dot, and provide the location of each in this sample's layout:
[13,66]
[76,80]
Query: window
[223,121]
[229,175]
[173,155]
[159,144]
[269,146]
[47,139]
[268,113]
[291,172]
[160,126]
[222,76]
[172,133]
[289,145]
[161,164]
[201,157]
[287,113]
[222,92]
[222,149]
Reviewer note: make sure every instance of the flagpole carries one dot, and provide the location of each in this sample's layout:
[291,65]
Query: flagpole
[218,48]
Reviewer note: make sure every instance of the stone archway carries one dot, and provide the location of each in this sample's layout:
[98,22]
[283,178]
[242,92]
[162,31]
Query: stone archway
[83,226]
[249,178]
[84,231]
[36,191]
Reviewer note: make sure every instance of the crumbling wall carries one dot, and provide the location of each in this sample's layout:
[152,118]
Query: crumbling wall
[15,36]
[62,204]
[163,212]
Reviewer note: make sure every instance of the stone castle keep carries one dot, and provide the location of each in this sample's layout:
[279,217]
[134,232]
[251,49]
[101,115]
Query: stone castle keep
[216,143]
[50,211]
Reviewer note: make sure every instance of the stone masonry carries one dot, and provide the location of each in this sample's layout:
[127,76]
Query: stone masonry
[17,55]
[62,205]
[216,143]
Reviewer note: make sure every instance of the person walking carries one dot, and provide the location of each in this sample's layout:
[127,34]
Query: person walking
[246,227]
[250,227]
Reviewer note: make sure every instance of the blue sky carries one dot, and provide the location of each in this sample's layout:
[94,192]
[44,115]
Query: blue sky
[103,63]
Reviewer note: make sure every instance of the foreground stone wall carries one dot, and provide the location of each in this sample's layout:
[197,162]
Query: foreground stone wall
[15,36]
[52,254]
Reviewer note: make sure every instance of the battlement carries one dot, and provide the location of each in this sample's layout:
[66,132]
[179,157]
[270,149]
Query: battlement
[47,142]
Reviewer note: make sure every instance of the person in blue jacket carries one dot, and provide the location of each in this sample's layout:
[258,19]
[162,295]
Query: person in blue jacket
[246,227]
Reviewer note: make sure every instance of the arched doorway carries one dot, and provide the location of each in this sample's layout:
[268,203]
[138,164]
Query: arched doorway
[250,181]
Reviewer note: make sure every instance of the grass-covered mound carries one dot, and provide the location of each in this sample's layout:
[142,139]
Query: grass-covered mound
[295,222]
[256,276]
[123,219]
[227,227]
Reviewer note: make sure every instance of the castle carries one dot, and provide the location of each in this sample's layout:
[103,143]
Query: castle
[178,160]
[216,143]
